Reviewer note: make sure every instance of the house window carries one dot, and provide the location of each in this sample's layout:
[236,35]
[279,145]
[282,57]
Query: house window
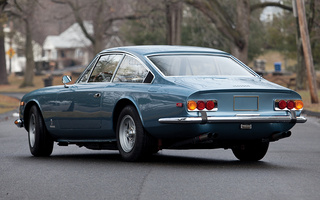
[62,54]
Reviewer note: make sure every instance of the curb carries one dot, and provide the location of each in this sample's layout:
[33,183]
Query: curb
[311,113]
[8,115]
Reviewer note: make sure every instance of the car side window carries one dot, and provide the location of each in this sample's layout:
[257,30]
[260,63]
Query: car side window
[85,76]
[105,68]
[131,70]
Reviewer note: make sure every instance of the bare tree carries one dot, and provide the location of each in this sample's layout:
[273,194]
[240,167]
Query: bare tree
[102,13]
[3,68]
[174,21]
[24,10]
[301,67]
[237,29]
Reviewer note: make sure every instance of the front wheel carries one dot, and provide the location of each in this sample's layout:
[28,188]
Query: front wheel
[40,142]
[251,151]
[133,142]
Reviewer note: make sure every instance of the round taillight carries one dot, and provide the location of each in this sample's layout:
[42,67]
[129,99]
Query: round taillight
[290,104]
[282,104]
[299,104]
[192,105]
[201,105]
[210,105]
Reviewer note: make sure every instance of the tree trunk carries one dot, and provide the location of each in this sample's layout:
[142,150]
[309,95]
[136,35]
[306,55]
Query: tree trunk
[239,48]
[3,68]
[301,77]
[307,51]
[29,71]
[174,20]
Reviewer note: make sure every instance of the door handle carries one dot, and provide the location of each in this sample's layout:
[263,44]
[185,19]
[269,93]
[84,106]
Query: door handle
[97,95]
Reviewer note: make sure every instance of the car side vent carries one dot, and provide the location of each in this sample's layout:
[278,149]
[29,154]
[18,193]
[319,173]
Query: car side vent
[149,78]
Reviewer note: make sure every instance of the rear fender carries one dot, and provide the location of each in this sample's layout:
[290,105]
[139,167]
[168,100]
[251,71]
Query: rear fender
[125,101]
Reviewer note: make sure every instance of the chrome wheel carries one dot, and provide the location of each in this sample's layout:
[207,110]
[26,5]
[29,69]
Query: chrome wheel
[32,130]
[127,133]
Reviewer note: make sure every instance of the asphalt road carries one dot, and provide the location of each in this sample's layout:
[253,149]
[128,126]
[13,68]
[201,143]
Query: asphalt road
[290,170]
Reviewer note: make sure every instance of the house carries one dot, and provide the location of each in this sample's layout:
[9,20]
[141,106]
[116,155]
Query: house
[72,47]
[69,48]
[14,42]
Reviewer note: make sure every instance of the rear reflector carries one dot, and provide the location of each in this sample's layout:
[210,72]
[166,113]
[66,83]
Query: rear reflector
[180,105]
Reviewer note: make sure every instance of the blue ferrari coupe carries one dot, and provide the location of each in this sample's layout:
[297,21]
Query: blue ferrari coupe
[142,99]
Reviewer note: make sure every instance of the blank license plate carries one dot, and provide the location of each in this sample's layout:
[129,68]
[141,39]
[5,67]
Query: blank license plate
[246,103]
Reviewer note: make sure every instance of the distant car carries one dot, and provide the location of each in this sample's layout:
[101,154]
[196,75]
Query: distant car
[142,99]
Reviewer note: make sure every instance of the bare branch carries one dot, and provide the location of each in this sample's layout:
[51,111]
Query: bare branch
[272,4]
[59,1]
[213,10]
[3,4]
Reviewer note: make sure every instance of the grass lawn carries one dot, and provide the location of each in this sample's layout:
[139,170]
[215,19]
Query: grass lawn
[8,103]
[306,98]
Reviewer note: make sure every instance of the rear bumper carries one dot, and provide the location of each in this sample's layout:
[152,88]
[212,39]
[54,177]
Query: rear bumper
[19,123]
[291,118]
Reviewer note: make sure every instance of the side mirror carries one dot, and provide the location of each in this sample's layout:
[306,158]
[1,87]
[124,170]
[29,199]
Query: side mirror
[65,80]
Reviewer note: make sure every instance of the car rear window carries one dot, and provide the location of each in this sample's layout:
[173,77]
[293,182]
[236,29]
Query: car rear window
[198,65]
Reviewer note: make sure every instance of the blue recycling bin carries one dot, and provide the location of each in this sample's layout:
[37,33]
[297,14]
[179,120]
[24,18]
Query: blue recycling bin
[277,66]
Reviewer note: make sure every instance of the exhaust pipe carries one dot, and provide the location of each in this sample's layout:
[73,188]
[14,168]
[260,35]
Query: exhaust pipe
[195,140]
[278,136]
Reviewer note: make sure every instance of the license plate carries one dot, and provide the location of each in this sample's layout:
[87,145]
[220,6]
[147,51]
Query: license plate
[245,103]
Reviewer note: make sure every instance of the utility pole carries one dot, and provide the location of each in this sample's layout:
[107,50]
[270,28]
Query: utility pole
[307,51]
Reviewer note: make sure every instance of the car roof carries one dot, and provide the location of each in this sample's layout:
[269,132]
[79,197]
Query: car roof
[161,49]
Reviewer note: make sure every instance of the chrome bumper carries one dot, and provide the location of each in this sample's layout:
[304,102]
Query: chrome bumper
[236,119]
[19,123]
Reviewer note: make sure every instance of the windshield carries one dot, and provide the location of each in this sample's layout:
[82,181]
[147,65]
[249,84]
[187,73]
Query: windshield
[198,65]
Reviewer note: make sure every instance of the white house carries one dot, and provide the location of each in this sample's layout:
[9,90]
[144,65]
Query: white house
[17,62]
[71,47]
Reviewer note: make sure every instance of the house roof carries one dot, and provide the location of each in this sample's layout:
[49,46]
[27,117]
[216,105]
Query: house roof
[73,37]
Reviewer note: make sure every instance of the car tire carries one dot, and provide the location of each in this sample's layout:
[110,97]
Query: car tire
[251,151]
[40,142]
[133,142]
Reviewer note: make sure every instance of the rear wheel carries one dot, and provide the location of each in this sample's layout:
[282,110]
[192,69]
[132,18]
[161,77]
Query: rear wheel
[40,142]
[133,142]
[251,151]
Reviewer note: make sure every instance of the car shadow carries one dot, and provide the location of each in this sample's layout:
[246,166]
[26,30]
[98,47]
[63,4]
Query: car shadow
[157,160]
